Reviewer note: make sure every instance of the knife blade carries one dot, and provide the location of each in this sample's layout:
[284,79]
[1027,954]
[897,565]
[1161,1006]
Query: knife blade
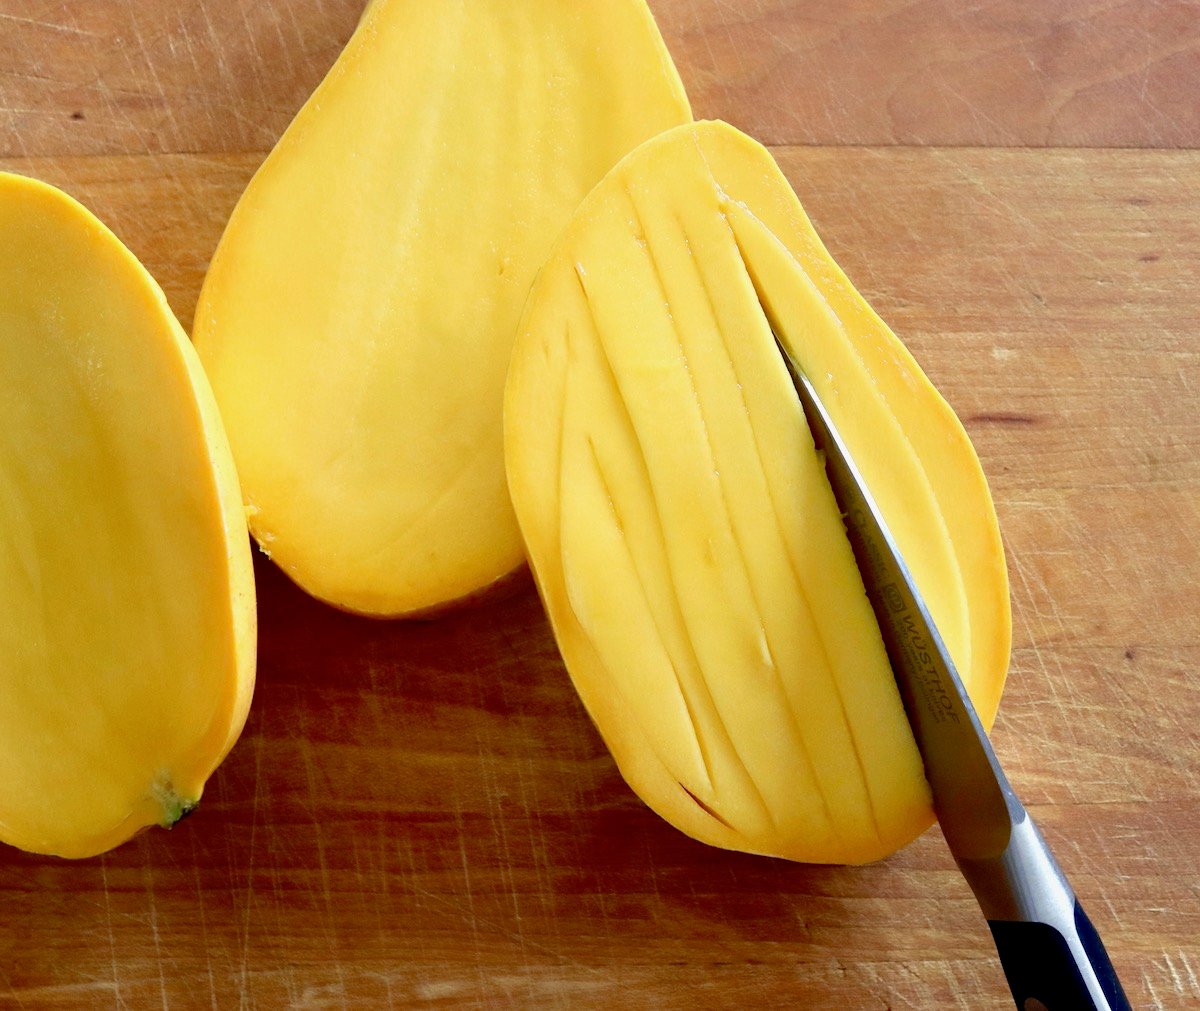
[1052,956]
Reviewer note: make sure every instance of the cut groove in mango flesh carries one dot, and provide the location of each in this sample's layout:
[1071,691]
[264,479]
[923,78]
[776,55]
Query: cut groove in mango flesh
[127,616]
[682,530]
[359,313]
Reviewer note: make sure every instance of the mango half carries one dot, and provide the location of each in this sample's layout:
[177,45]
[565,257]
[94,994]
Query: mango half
[359,312]
[682,531]
[127,617]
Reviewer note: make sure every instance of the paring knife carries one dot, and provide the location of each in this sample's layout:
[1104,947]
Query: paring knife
[1051,954]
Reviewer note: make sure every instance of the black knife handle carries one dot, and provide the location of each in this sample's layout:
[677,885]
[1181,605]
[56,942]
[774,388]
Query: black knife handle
[1051,953]
[1044,973]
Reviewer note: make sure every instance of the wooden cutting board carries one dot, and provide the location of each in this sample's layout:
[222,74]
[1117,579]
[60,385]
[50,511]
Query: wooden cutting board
[420,813]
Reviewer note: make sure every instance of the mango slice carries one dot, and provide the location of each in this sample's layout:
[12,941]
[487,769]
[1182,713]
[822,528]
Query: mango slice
[127,617]
[359,313]
[681,528]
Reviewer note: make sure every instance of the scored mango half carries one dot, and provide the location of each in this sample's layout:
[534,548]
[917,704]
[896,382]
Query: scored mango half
[127,615]
[681,527]
[358,315]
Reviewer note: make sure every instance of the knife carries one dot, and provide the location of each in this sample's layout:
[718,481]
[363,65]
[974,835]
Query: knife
[1052,956]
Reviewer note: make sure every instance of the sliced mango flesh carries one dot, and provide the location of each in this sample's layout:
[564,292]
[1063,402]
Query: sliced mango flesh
[680,525]
[359,313]
[127,618]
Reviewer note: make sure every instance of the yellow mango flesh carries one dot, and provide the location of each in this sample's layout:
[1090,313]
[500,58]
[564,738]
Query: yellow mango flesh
[680,525]
[359,313]
[127,619]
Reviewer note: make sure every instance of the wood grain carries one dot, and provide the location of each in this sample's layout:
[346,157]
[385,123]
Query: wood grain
[421,814]
[144,76]
[995,72]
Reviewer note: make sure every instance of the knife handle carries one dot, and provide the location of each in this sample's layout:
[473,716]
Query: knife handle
[1045,974]
[1052,956]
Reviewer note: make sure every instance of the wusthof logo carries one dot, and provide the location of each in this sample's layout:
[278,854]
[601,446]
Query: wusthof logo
[920,653]
[893,598]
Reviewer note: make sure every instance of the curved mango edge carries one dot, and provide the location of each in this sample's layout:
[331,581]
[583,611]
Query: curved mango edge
[159,808]
[991,635]
[311,581]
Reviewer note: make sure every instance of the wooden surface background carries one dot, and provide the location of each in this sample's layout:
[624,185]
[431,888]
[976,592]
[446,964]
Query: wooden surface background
[421,814]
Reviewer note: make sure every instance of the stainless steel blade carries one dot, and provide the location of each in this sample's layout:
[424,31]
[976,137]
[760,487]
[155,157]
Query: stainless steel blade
[973,800]
[1052,955]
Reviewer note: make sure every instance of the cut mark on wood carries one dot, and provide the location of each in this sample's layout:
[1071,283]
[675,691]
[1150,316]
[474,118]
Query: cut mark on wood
[1005,418]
